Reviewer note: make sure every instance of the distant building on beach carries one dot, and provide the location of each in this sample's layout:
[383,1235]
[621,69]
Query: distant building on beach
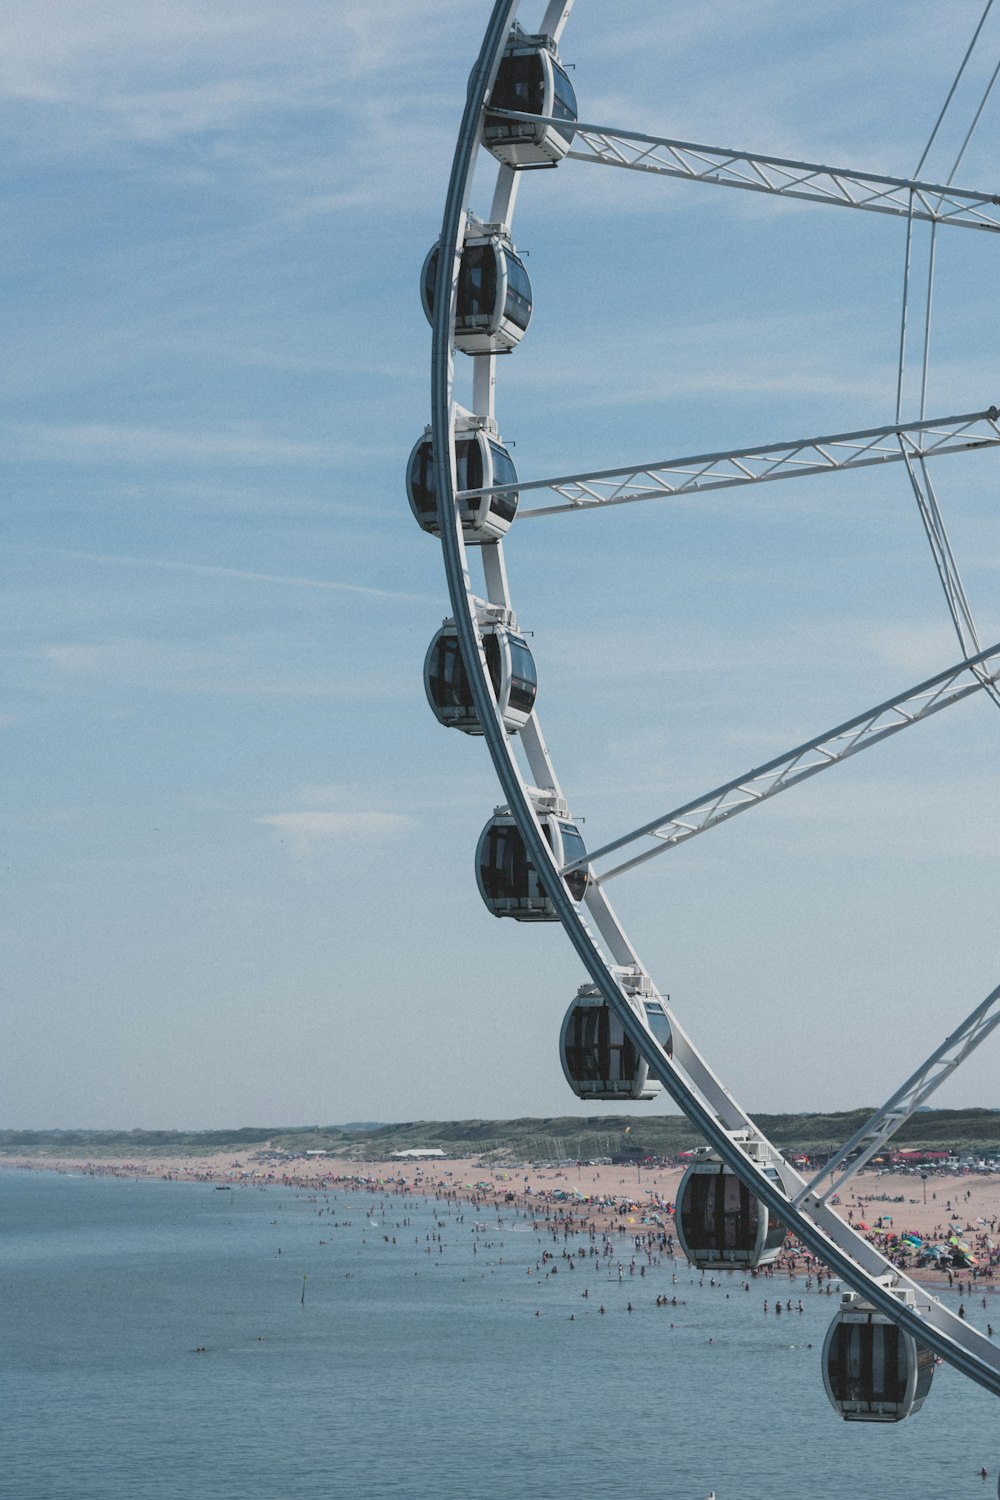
[630,1153]
[424,1153]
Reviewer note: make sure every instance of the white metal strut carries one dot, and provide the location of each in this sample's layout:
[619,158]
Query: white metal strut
[844,187]
[830,454]
[909,1097]
[797,765]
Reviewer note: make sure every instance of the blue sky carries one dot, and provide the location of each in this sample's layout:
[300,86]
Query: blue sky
[237,847]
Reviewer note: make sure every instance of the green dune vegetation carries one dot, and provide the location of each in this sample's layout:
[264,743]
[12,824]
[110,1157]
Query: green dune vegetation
[533,1139]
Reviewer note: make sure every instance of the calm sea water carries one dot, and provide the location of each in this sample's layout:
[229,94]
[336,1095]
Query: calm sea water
[409,1375]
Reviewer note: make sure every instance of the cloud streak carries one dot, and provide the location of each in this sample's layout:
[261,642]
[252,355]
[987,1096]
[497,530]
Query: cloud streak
[246,575]
[304,830]
[110,442]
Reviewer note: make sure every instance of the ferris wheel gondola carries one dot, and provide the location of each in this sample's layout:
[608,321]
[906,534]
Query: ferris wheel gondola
[721,1224]
[493,306]
[599,1058]
[481,460]
[512,674]
[873,1370]
[508,878]
[531,80]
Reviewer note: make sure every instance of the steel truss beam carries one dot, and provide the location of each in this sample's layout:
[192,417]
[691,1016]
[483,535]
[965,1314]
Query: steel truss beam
[911,442]
[799,764]
[841,186]
[896,1111]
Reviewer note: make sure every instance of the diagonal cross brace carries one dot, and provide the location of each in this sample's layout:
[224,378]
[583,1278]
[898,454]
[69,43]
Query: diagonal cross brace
[806,760]
[906,1100]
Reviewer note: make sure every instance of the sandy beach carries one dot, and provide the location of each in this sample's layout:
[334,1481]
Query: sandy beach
[626,1199]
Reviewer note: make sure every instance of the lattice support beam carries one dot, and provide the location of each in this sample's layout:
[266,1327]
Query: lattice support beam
[910,443]
[804,761]
[843,187]
[905,1101]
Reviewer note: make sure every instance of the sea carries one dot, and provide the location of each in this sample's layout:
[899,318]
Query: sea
[165,1340]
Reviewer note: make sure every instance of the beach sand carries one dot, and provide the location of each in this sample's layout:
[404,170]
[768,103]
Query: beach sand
[623,1198]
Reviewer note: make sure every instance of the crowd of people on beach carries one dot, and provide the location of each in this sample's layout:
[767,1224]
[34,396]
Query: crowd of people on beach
[956,1251]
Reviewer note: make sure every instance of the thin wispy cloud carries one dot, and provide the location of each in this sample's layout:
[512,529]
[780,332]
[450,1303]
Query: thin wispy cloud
[245,575]
[230,668]
[309,829]
[110,442]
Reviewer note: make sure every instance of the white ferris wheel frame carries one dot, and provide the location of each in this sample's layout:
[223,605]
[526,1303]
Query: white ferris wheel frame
[600,941]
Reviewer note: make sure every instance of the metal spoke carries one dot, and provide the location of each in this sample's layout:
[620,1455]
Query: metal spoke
[842,186]
[907,442]
[896,1111]
[947,568]
[806,760]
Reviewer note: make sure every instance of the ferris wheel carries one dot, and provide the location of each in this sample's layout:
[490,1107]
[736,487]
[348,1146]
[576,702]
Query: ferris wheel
[621,1038]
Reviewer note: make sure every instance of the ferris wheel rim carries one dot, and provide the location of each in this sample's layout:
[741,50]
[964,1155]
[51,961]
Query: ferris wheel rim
[706,1102]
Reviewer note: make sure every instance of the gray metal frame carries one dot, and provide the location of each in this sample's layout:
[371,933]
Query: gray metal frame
[594,931]
[664,479]
[806,760]
[841,187]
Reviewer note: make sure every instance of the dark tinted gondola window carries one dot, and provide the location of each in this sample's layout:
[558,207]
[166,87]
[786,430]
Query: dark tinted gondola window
[574,848]
[505,866]
[504,472]
[491,647]
[584,1043]
[520,85]
[468,468]
[507,873]
[597,1049]
[719,1213]
[477,284]
[447,679]
[564,99]
[468,472]
[448,684]
[517,308]
[867,1363]
[523,682]
[623,1052]
[430,273]
[422,481]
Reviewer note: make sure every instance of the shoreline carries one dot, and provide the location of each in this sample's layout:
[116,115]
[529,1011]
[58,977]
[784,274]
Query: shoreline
[585,1198]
